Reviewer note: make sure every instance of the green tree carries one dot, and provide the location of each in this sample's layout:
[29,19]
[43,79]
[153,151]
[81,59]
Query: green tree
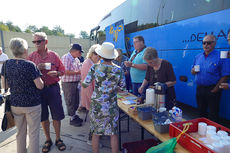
[4,27]
[13,27]
[46,30]
[58,31]
[84,35]
[28,31]
[31,29]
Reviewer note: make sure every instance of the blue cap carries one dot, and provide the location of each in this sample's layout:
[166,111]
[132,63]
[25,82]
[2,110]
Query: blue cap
[76,47]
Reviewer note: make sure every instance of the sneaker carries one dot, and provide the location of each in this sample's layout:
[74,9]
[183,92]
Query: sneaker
[75,122]
[78,118]
[89,142]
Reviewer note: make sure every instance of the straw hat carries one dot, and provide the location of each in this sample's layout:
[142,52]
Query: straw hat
[106,50]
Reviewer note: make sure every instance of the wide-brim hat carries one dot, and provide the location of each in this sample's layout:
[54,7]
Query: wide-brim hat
[107,50]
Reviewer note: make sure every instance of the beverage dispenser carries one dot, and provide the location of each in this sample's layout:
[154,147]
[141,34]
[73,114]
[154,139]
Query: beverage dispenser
[160,93]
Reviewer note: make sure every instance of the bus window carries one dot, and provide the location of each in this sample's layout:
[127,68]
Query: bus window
[101,36]
[226,4]
[176,10]
[145,14]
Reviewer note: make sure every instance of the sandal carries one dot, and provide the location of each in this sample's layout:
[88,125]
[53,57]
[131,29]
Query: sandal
[61,146]
[47,145]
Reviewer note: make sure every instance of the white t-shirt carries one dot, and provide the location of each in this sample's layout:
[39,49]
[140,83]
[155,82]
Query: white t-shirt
[3,57]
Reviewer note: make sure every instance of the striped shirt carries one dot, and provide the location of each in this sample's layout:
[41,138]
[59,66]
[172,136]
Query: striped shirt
[71,64]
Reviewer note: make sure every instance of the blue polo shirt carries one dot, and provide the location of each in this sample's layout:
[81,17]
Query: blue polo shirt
[212,68]
[137,76]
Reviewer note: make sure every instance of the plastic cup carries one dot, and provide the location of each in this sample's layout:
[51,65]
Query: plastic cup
[202,128]
[224,54]
[48,66]
[197,68]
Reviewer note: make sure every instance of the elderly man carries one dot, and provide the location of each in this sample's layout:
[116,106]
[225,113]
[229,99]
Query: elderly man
[70,82]
[211,73]
[137,64]
[51,67]
[3,58]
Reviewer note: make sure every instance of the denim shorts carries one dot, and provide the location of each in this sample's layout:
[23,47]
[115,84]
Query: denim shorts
[51,97]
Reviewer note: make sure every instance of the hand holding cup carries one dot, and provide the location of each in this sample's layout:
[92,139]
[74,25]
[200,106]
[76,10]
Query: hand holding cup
[48,66]
[52,73]
[197,68]
[223,54]
[224,86]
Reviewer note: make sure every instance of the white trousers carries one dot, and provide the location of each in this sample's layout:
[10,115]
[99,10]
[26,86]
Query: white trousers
[30,116]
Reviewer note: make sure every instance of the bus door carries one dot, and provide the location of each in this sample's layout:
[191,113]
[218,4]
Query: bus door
[116,35]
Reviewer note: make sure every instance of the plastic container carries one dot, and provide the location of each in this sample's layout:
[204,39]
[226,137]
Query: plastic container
[139,146]
[159,119]
[144,113]
[162,128]
[177,114]
[187,141]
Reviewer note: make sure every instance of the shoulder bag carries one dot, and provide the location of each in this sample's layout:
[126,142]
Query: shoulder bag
[8,118]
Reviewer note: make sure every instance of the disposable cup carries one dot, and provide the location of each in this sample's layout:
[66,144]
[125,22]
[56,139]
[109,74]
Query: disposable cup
[197,68]
[224,54]
[48,66]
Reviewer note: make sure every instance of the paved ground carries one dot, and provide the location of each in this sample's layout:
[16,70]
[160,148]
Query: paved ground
[76,137]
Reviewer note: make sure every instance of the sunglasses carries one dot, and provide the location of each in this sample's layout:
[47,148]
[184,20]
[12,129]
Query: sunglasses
[38,41]
[95,53]
[207,42]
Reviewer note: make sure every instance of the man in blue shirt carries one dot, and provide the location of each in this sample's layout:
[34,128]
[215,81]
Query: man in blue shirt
[211,73]
[137,64]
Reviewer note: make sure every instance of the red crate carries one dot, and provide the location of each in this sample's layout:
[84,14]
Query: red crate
[188,141]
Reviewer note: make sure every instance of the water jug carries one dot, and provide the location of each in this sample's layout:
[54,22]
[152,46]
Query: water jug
[160,92]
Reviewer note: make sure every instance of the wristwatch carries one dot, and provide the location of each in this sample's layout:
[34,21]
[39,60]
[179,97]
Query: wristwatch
[132,65]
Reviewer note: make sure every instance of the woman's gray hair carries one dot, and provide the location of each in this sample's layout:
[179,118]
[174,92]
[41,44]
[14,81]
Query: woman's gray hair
[40,34]
[92,50]
[150,53]
[18,46]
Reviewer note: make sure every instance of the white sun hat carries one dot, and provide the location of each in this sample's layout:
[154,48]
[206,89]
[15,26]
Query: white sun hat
[106,50]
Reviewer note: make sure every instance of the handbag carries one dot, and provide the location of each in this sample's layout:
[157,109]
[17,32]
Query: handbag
[8,118]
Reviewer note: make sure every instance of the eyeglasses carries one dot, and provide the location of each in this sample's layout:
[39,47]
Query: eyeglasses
[207,42]
[38,41]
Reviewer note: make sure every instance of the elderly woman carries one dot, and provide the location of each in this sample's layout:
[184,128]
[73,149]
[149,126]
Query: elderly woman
[86,93]
[23,79]
[104,111]
[159,70]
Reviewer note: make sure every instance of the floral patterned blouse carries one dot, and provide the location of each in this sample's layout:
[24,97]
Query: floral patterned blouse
[104,111]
